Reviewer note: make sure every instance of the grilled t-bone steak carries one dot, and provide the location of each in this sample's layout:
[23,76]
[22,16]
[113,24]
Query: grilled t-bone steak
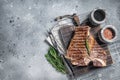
[78,52]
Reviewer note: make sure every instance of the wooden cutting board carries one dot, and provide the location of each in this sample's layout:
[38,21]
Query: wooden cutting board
[66,34]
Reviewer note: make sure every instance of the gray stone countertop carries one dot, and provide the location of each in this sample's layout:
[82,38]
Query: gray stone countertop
[23,24]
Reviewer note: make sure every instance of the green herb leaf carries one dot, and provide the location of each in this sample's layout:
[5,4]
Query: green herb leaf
[87,46]
[53,52]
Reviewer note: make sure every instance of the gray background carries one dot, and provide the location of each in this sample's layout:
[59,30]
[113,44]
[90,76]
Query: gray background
[23,24]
